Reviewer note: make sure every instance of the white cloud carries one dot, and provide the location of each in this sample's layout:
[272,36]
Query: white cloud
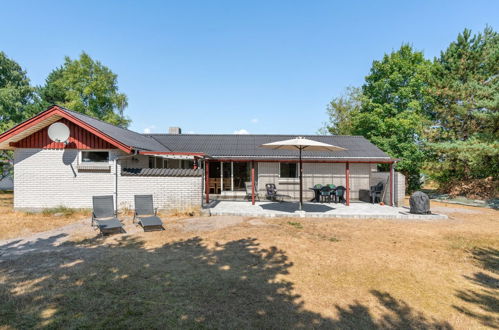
[254,120]
[149,129]
[191,132]
[241,131]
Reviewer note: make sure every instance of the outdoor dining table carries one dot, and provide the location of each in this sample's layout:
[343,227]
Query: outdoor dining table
[317,191]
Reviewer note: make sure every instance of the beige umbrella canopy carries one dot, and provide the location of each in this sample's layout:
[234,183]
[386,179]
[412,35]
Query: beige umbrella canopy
[301,143]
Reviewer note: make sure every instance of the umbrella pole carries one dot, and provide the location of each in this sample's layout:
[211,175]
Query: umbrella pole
[301,183]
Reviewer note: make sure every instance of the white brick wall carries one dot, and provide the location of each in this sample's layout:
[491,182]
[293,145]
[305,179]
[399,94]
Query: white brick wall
[45,178]
[168,192]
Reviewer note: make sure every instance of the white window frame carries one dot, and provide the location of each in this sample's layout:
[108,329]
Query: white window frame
[81,162]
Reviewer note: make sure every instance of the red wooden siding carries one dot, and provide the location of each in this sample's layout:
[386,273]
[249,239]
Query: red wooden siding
[79,138]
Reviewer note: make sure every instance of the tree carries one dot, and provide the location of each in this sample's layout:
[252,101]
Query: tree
[16,103]
[396,106]
[86,86]
[465,84]
[340,112]
[16,93]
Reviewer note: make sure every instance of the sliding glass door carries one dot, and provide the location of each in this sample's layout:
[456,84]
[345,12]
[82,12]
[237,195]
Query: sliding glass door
[228,176]
[242,174]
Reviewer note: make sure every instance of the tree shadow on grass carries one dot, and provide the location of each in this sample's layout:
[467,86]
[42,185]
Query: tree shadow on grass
[183,284]
[484,299]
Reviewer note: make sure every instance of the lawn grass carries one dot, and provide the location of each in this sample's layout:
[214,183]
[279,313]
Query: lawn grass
[328,273]
[18,223]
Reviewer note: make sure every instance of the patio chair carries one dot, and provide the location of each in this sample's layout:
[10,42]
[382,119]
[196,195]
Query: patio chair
[104,215]
[145,214]
[326,194]
[247,186]
[375,192]
[339,194]
[272,193]
[332,193]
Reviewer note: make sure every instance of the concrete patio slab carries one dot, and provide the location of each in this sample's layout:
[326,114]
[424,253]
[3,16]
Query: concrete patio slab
[311,210]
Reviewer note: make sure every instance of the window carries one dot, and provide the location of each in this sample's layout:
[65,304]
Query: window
[188,164]
[289,170]
[159,162]
[173,163]
[95,156]
[152,162]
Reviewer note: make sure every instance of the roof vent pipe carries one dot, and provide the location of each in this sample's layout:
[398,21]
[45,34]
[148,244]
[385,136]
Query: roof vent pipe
[174,130]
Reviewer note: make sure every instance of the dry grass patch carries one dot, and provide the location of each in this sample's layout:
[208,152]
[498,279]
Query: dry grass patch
[16,223]
[324,273]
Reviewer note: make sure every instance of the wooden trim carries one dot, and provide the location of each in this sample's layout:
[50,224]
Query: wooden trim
[55,110]
[221,177]
[231,176]
[79,138]
[347,179]
[207,180]
[171,153]
[93,130]
[27,124]
[391,185]
[304,161]
[252,183]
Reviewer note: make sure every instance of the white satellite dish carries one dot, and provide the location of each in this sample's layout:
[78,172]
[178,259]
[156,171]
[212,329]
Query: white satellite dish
[58,132]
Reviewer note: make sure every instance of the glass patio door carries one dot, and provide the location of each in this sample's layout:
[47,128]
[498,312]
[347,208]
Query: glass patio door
[242,174]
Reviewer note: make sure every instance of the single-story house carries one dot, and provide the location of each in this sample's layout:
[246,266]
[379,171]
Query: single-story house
[179,170]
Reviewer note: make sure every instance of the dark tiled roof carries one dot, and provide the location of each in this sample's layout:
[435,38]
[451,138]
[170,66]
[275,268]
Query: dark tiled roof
[235,146]
[160,172]
[123,135]
[247,146]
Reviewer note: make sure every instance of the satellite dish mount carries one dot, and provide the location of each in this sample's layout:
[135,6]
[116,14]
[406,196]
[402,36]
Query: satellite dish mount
[59,132]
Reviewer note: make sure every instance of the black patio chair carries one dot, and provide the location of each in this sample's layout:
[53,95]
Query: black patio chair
[104,216]
[145,213]
[249,192]
[272,193]
[375,192]
[326,194]
[339,194]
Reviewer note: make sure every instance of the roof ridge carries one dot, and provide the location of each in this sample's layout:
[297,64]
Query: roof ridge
[102,121]
[226,134]
[133,135]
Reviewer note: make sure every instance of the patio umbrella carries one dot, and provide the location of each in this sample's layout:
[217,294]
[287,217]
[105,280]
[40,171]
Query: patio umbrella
[301,144]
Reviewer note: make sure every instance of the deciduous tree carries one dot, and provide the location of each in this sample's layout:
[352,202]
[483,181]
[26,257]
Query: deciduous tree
[16,103]
[340,112]
[86,86]
[396,106]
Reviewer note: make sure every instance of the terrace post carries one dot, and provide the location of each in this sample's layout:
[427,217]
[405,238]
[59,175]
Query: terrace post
[252,182]
[221,177]
[347,179]
[207,180]
[391,185]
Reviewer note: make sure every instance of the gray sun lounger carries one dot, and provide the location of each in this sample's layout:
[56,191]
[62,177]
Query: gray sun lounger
[145,213]
[104,215]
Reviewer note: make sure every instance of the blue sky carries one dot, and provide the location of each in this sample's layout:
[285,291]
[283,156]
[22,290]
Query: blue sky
[225,66]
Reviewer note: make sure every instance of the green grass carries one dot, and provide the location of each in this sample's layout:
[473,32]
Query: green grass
[59,210]
[295,224]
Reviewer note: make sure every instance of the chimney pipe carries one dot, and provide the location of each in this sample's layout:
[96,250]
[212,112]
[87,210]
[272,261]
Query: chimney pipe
[174,130]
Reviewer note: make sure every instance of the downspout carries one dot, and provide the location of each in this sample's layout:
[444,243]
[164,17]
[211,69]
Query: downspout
[116,176]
